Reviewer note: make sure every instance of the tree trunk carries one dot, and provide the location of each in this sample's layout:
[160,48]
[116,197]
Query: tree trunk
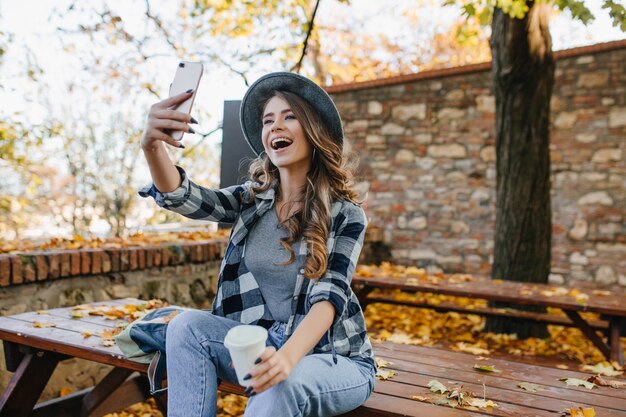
[523,87]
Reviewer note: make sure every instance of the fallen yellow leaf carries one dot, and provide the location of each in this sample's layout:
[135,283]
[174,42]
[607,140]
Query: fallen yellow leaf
[381,363]
[384,374]
[582,412]
[530,387]
[473,349]
[40,325]
[480,403]
[602,368]
[419,398]
[578,382]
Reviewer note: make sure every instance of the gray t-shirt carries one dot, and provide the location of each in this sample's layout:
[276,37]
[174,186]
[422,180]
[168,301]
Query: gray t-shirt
[263,254]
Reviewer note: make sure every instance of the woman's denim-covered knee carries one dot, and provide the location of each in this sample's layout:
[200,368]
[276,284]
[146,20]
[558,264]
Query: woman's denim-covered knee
[187,324]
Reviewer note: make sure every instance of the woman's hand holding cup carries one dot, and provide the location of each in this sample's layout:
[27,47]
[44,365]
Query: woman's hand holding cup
[163,118]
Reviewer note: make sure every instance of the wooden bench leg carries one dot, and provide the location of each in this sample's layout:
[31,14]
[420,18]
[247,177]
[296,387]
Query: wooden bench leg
[104,389]
[590,333]
[27,383]
[132,390]
[161,402]
[361,293]
[617,353]
[12,355]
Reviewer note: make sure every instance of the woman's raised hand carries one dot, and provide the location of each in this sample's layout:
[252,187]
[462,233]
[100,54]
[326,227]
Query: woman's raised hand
[163,118]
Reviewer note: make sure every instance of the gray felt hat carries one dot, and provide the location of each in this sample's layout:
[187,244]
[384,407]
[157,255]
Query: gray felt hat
[250,111]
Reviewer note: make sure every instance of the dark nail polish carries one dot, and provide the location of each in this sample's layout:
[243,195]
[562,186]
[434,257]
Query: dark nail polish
[248,390]
[247,377]
[180,145]
[258,361]
[193,121]
[189,91]
[191,130]
[253,394]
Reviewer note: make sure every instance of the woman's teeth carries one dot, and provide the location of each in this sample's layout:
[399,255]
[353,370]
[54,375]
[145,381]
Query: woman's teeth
[279,143]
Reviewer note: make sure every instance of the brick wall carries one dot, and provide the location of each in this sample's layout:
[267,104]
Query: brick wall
[426,146]
[182,274]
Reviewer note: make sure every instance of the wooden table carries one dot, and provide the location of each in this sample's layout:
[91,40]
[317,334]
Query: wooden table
[612,306]
[32,353]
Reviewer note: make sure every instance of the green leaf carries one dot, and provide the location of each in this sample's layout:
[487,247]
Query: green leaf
[617,13]
[469,10]
[484,17]
[485,368]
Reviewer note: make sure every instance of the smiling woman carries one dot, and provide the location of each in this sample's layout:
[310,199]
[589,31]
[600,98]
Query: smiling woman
[283,137]
[297,235]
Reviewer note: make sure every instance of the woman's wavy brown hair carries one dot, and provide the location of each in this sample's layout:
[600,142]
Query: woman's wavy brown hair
[328,180]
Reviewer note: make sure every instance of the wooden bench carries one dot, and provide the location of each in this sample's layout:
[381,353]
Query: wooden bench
[612,306]
[32,353]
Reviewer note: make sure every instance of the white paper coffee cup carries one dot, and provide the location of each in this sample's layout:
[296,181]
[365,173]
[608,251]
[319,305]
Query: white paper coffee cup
[245,343]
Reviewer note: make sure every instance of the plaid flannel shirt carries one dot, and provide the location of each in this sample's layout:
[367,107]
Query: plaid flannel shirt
[238,296]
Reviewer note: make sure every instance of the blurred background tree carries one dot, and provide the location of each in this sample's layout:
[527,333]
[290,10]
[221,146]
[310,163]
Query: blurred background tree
[523,76]
[75,168]
[70,154]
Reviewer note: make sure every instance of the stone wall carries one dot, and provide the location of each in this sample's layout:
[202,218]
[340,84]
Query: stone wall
[426,146]
[181,274]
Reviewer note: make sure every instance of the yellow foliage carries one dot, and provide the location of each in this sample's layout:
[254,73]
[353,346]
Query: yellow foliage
[137,239]
[413,325]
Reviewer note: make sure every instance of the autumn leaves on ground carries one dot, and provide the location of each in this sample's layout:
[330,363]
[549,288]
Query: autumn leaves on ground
[566,348]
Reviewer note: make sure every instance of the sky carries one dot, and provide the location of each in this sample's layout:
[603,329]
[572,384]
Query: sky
[29,20]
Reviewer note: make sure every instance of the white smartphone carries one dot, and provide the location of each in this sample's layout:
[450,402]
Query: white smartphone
[187,77]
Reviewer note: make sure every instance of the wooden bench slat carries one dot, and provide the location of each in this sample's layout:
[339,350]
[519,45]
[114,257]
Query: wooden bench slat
[504,409]
[64,341]
[380,404]
[448,358]
[502,380]
[65,312]
[509,402]
[94,322]
[27,328]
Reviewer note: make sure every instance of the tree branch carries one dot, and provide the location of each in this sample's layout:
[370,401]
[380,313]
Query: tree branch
[204,137]
[296,67]
[159,26]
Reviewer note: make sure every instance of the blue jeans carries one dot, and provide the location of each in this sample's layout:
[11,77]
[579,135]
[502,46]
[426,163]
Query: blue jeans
[196,358]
